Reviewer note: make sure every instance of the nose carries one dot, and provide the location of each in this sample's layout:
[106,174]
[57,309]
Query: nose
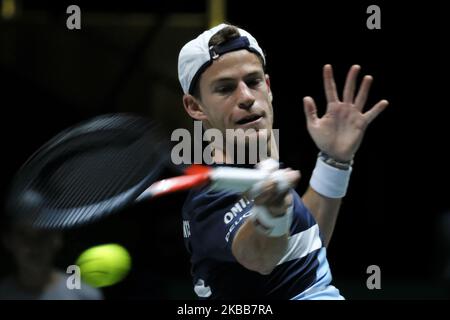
[245,96]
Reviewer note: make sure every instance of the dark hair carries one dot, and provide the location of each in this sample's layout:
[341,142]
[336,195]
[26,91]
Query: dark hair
[222,36]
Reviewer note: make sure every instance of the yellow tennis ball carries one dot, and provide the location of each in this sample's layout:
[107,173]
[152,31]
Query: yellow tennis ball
[104,265]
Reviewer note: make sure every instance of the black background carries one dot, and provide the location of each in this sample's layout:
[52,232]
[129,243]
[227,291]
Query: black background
[398,198]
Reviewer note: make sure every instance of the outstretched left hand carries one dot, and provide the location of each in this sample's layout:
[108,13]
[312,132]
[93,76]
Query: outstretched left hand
[340,130]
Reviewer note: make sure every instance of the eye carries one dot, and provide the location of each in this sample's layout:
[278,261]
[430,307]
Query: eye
[251,83]
[224,89]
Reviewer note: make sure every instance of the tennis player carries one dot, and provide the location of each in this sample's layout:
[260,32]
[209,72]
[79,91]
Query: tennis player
[272,245]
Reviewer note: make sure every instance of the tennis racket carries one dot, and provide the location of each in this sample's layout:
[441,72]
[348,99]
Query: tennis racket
[103,165]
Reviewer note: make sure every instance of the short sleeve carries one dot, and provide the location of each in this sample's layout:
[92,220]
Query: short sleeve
[214,218]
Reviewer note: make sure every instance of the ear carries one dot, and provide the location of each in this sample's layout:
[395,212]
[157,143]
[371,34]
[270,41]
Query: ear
[268,87]
[193,107]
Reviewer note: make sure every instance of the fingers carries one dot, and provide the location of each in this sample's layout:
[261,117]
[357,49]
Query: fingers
[349,88]
[376,110]
[310,109]
[270,193]
[350,84]
[292,177]
[363,92]
[329,84]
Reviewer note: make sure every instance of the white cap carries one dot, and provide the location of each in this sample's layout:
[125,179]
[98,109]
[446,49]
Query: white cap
[196,55]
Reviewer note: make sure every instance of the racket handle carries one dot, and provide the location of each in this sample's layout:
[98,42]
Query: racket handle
[171,185]
[236,179]
[249,180]
[221,178]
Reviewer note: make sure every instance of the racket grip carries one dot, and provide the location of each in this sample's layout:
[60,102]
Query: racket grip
[236,179]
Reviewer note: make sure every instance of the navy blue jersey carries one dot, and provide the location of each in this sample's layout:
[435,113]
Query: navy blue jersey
[210,222]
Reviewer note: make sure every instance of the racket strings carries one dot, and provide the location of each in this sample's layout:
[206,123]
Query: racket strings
[89,171]
[94,176]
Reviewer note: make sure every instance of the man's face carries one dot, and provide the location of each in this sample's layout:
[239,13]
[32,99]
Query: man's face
[235,93]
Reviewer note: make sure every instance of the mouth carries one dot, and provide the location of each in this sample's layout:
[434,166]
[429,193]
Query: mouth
[253,118]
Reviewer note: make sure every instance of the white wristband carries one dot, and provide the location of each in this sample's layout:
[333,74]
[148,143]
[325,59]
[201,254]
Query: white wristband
[268,224]
[329,181]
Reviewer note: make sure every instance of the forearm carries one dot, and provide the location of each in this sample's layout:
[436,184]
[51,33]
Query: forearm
[256,251]
[262,240]
[325,211]
[327,186]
